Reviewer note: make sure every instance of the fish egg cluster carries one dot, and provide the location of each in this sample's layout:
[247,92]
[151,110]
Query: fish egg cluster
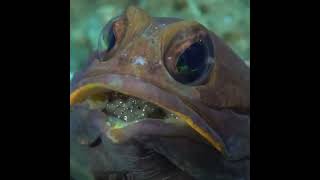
[130,109]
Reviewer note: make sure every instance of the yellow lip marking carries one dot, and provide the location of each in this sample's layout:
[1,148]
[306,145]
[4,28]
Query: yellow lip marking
[216,143]
[83,92]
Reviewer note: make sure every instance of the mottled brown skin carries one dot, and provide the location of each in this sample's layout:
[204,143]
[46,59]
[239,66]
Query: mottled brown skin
[218,105]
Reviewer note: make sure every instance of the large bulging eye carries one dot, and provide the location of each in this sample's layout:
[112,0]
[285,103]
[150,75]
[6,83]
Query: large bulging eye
[107,41]
[192,64]
[110,37]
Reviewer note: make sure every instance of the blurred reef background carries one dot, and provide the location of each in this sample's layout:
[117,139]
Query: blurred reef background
[230,19]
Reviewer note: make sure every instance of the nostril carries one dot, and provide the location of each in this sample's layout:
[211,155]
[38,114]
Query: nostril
[95,143]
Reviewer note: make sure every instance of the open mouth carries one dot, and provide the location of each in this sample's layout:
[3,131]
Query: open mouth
[135,108]
[128,100]
[122,110]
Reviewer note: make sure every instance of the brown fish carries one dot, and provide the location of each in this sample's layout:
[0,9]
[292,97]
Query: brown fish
[164,98]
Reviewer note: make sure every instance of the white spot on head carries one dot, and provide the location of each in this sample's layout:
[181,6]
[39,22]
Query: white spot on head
[139,61]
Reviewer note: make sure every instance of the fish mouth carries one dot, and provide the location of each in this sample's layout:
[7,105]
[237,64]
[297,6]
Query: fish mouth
[123,110]
[127,100]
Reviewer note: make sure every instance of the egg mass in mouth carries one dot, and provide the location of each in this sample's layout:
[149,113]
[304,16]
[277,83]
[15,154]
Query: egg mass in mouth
[122,110]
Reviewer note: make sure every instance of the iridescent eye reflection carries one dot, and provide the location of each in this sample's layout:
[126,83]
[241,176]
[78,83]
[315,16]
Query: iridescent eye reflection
[194,62]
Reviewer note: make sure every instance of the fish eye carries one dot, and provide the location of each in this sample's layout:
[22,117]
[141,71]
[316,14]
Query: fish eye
[110,36]
[96,142]
[191,66]
[107,41]
[192,63]
[110,40]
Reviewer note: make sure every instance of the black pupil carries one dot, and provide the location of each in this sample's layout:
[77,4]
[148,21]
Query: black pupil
[192,63]
[111,39]
[107,41]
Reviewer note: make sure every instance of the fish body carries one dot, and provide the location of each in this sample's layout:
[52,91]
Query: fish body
[162,98]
